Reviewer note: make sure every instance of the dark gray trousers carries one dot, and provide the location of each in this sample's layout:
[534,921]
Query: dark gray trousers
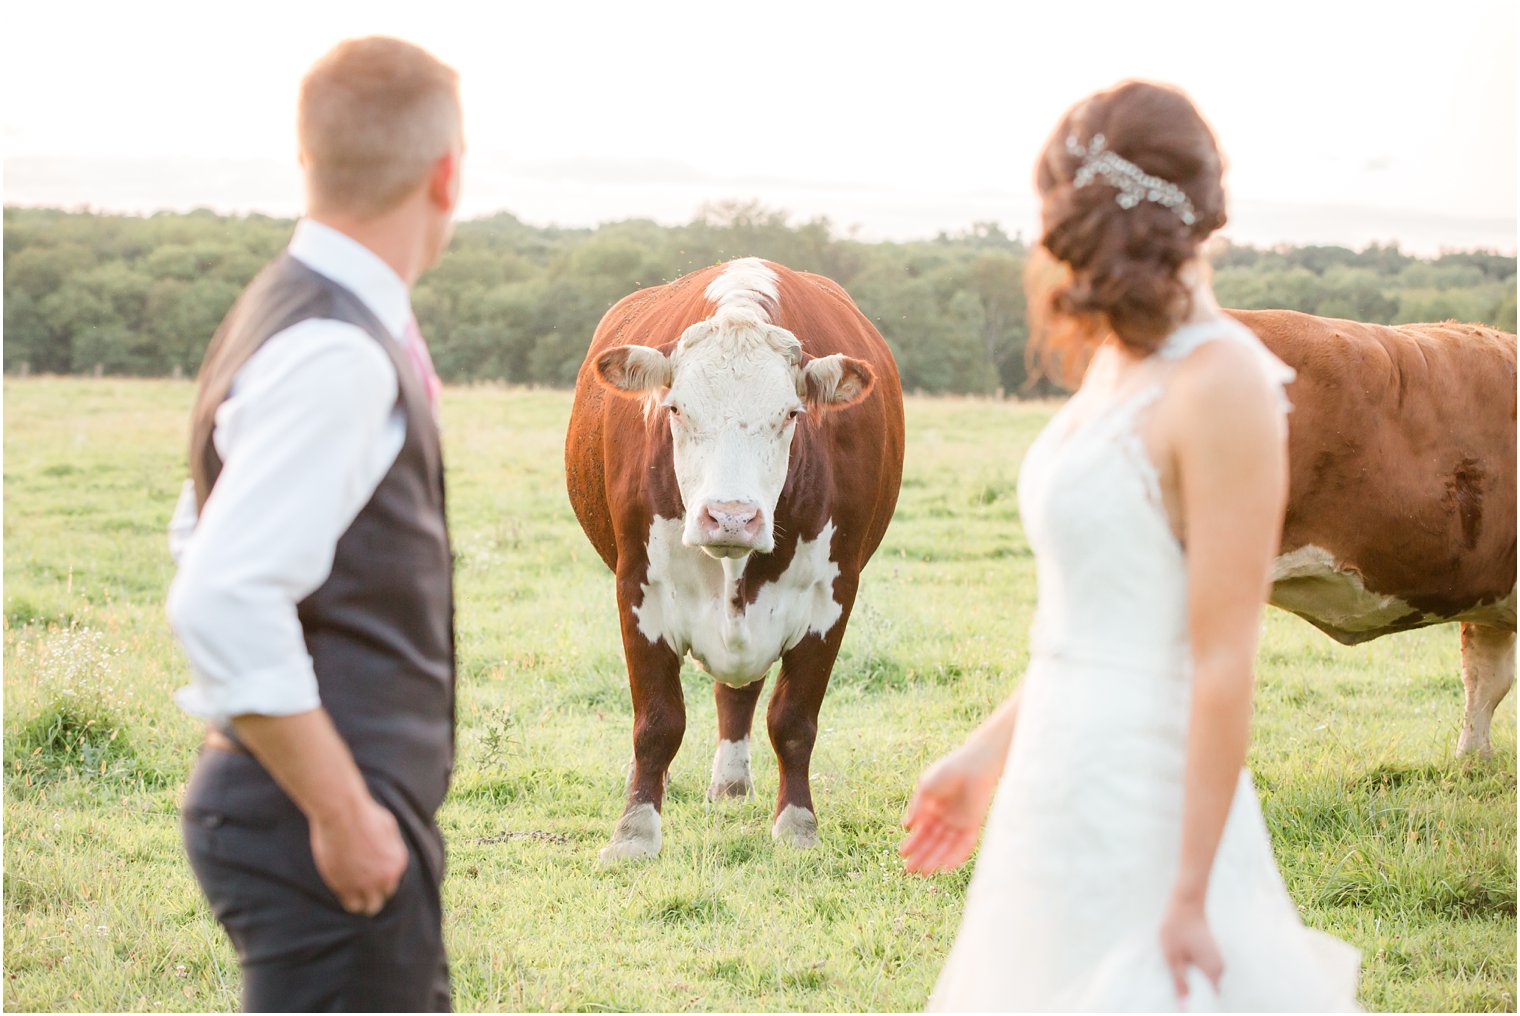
[250,849]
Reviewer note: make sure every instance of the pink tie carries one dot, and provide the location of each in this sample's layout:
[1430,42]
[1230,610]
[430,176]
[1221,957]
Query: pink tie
[417,348]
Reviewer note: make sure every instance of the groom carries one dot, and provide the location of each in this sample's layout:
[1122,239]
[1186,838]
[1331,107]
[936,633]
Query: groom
[315,588]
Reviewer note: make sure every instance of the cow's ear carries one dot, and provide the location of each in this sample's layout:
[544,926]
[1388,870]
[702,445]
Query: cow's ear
[836,381]
[636,370]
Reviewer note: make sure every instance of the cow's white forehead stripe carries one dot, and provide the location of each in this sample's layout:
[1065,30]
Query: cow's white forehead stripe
[746,286]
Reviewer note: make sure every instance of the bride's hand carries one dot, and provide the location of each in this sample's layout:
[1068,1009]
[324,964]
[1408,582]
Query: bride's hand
[947,810]
[1186,941]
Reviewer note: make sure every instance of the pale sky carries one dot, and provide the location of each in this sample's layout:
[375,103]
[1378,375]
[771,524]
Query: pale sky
[1342,121]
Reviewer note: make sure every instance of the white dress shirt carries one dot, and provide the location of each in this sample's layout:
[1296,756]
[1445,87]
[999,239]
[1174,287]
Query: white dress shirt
[310,428]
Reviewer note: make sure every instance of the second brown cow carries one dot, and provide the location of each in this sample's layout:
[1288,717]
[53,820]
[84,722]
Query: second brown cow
[1401,502]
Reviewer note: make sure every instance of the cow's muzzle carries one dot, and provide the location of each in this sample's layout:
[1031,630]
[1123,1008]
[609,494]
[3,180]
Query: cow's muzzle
[729,528]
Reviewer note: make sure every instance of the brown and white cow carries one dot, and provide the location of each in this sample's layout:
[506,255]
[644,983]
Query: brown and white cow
[1401,502]
[734,454]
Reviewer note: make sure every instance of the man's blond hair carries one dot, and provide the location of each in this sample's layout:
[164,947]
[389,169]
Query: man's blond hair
[375,115]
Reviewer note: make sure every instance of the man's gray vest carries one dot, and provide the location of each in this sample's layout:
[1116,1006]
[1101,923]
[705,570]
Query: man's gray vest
[380,630]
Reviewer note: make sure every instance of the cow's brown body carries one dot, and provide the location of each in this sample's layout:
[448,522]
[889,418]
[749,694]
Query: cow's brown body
[1401,505]
[844,471]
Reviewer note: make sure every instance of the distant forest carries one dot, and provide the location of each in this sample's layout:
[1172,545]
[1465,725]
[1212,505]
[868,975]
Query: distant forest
[126,295]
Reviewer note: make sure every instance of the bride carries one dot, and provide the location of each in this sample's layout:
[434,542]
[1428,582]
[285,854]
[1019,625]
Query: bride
[1125,864]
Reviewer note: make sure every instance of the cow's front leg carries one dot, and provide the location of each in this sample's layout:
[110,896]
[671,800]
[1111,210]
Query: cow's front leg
[736,714]
[1488,671]
[793,721]
[659,721]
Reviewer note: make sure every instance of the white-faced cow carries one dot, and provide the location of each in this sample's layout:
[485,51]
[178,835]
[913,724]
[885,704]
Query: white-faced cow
[734,454]
[1401,502]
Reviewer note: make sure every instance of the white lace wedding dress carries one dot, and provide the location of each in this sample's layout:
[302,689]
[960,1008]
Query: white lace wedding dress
[1081,845]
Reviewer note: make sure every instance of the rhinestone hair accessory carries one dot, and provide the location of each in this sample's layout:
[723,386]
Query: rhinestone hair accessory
[1133,183]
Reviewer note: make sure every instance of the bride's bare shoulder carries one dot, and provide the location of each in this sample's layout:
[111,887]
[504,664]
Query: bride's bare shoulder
[1224,381]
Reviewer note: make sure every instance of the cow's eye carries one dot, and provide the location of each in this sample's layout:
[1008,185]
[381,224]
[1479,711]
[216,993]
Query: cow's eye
[794,413]
[674,410]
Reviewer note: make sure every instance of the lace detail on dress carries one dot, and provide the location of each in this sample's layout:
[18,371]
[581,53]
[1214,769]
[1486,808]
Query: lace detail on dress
[1121,422]
[1127,435]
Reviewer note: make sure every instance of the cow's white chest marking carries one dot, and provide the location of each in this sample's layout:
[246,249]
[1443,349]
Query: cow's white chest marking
[690,601]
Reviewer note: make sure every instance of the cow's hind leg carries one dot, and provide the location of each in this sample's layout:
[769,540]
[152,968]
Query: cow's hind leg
[793,722]
[736,714]
[659,722]
[1488,670]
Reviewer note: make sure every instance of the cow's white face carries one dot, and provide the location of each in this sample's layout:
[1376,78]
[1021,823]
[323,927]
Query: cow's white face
[732,393]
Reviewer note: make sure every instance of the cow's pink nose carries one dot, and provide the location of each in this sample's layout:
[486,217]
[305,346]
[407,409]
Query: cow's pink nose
[730,521]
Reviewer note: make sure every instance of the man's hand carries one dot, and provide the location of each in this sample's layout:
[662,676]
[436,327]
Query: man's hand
[361,857]
[354,839]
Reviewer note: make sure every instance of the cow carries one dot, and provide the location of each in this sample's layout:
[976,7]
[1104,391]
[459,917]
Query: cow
[734,455]
[1401,500]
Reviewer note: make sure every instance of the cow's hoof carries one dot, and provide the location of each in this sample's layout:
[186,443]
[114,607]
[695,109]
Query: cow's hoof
[1474,749]
[636,835]
[730,772]
[740,790]
[796,827]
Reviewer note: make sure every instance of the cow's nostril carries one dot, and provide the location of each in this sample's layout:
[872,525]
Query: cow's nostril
[731,518]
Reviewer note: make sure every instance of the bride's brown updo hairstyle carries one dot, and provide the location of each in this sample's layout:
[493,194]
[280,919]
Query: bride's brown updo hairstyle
[1123,227]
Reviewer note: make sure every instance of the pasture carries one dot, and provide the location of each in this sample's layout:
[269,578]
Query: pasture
[1384,837]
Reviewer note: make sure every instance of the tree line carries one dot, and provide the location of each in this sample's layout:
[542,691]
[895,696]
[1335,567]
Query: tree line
[130,295]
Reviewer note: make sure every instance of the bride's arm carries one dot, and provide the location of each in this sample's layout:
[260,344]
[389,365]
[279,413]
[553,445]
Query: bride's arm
[945,815]
[1231,456]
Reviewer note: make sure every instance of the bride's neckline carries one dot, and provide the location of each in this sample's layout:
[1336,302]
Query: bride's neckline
[1150,378]
[1175,345]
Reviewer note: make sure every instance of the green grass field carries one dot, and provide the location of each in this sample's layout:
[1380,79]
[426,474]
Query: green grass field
[1384,837]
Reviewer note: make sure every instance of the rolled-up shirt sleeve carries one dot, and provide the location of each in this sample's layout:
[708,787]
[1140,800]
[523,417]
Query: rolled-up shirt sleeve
[308,433]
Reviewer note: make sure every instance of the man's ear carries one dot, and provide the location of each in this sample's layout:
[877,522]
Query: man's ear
[834,382]
[443,181]
[636,370]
